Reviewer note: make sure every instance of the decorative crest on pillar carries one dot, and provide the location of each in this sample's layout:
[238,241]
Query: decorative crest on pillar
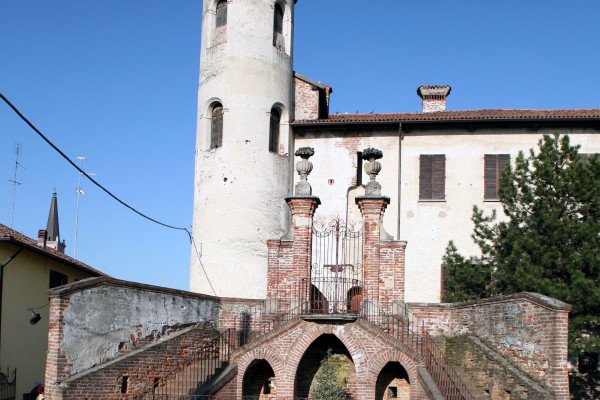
[304,167]
[372,168]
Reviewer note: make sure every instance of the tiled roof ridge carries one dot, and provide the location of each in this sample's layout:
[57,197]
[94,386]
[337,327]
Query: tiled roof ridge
[490,113]
[18,237]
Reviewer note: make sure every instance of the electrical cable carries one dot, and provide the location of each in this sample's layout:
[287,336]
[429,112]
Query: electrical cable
[106,190]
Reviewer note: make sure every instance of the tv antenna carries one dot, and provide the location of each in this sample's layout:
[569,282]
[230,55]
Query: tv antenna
[15,182]
[79,192]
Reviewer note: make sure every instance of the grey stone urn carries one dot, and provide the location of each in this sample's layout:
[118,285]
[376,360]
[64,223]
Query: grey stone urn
[372,168]
[304,167]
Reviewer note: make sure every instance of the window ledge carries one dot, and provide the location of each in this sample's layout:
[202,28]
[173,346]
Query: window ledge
[432,200]
[491,200]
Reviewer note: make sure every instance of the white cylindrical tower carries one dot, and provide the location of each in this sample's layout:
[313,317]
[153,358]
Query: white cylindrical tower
[245,103]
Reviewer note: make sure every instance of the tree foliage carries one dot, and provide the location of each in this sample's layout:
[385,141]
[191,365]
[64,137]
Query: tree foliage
[548,242]
[328,386]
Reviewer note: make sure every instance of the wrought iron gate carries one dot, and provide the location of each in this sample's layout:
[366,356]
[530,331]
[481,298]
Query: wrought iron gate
[336,276]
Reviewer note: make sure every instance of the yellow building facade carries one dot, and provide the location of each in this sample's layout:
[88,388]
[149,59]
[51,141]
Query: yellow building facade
[29,269]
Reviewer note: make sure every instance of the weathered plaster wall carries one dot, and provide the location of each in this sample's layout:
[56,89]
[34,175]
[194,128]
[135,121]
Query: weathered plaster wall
[96,320]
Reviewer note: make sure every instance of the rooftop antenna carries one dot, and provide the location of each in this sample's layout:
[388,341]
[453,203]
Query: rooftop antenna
[15,182]
[79,192]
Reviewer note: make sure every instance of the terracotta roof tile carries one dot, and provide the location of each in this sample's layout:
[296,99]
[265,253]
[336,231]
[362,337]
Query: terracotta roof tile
[489,114]
[10,235]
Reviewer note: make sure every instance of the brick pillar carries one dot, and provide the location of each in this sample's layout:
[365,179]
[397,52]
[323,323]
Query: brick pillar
[290,257]
[372,209]
[56,362]
[558,372]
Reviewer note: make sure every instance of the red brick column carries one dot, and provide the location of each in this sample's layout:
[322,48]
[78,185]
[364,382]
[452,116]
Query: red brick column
[558,373]
[290,258]
[56,362]
[372,209]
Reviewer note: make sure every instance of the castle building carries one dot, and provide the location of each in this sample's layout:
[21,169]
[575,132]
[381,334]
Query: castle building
[334,264]
[254,112]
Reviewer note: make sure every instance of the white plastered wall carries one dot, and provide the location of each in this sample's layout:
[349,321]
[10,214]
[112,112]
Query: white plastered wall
[427,226]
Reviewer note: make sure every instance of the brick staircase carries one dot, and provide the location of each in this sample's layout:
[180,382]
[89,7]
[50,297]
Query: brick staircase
[205,366]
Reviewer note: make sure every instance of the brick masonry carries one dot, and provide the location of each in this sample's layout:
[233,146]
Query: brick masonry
[529,329]
[369,349]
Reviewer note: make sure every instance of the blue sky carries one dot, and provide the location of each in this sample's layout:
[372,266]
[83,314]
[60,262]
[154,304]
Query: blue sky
[116,81]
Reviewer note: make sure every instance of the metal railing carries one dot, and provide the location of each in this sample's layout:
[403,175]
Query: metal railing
[245,333]
[8,386]
[221,397]
[198,368]
[205,362]
[411,332]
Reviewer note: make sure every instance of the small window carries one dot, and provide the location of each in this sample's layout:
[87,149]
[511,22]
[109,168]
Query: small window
[432,178]
[278,27]
[274,131]
[359,168]
[494,164]
[124,380]
[278,22]
[57,279]
[216,126]
[222,13]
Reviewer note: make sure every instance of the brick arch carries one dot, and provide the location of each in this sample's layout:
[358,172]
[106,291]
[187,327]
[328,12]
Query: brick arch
[377,364]
[268,355]
[299,347]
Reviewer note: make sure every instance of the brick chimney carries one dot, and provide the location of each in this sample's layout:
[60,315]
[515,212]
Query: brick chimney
[434,97]
[42,237]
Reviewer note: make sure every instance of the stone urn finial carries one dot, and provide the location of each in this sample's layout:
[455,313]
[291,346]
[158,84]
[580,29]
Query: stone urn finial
[372,168]
[303,167]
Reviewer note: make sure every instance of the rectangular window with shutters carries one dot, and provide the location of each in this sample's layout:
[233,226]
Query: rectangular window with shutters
[57,279]
[493,165]
[432,177]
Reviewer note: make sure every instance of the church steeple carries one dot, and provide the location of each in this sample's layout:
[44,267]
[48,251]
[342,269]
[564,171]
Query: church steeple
[52,227]
[51,236]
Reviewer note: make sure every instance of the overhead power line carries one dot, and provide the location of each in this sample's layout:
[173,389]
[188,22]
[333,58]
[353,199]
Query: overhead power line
[105,189]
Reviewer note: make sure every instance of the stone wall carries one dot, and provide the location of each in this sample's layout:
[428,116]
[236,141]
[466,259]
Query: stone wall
[527,328]
[97,320]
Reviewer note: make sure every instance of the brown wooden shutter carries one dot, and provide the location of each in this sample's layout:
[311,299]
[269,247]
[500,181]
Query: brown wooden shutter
[425,192]
[493,166]
[490,176]
[439,177]
[432,178]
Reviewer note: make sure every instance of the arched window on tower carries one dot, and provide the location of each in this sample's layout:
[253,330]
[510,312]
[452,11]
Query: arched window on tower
[220,34]
[274,131]
[216,126]
[222,13]
[278,40]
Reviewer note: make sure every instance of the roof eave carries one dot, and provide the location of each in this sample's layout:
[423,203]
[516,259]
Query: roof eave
[453,121]
[37,249]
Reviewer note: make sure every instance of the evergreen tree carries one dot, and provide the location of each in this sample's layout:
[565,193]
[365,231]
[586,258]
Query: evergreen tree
[328,386]
[548,243]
